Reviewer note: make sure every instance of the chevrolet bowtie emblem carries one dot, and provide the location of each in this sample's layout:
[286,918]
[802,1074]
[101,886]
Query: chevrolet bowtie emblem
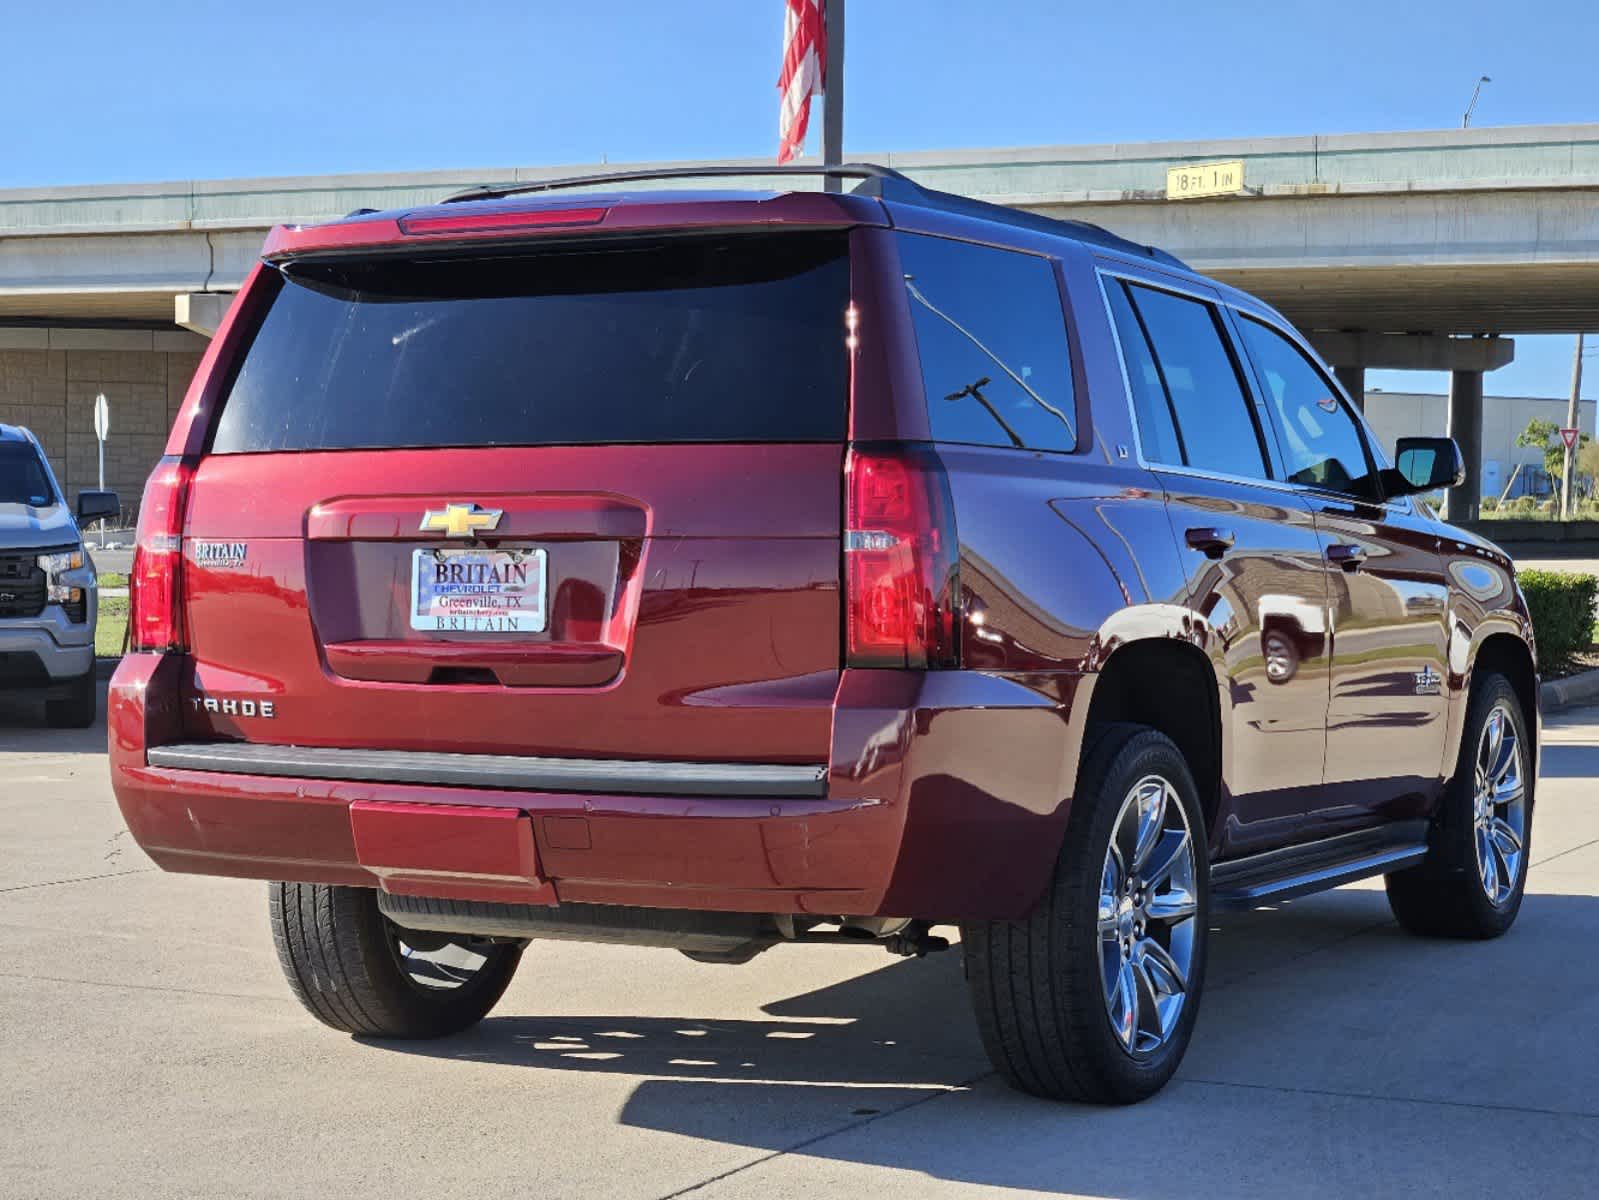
[460,520]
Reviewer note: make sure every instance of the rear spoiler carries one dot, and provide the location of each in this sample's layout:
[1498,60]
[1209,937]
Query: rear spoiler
[602,213]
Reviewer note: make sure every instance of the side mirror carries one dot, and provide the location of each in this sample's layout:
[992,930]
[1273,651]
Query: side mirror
[1425,464]
[92,506]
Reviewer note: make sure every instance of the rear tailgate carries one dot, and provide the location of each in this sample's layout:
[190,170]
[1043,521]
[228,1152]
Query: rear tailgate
[583,502]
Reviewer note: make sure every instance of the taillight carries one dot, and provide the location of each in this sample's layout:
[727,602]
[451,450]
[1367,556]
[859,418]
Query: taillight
[901,585]
[155,608]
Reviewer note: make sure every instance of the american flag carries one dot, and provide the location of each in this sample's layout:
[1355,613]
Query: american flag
[804,62]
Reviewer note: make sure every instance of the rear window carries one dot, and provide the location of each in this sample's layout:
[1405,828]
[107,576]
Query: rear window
[728,339]
[22,477]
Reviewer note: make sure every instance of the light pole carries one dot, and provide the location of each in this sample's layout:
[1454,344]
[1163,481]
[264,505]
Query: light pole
[833,93]
[1465,121]
[1573,421]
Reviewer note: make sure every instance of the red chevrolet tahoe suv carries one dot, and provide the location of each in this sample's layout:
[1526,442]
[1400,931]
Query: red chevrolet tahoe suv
[718,569]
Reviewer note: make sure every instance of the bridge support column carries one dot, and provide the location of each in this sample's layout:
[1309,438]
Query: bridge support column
[201,312]
[1465,426]
[1354,382]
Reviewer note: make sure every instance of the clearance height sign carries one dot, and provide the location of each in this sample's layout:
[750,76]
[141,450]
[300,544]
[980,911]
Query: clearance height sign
[1195,180]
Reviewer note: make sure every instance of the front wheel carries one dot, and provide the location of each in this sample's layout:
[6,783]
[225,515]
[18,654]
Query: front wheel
[1471,882]
[354,969]
[76,708]
[1093,996]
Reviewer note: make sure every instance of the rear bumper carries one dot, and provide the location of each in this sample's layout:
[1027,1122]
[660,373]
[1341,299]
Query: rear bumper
[944,799]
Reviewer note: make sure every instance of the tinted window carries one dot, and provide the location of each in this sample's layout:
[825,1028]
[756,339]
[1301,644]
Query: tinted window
[992,339]
[1200,384]
[1157,430]
[1321,443]
[22,477]
[732,339]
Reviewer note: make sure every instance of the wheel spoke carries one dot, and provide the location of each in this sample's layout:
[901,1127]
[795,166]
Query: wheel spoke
[1507,764]
[1149,1022]
[1110,890]
[1151,820]
[1505,864]
[1124,1005]
[1508,791]
[1493,736]
[1506,840]
[1172,906]
[1171,851]
[1161,968]
[1496,879]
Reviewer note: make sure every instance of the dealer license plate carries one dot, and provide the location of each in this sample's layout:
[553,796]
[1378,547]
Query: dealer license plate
[478,591]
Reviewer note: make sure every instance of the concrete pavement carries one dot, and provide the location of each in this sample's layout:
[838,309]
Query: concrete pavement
[150,1048]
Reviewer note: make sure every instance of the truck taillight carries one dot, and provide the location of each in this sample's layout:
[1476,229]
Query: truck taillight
[901,581]
[155,607]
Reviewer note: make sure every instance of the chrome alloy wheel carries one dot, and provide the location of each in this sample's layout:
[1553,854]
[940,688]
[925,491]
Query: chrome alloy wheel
[1147,906]
[1281,661]
[1499,805]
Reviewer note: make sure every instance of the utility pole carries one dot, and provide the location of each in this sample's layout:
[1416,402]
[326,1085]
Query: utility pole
[833,93]
[1573,412]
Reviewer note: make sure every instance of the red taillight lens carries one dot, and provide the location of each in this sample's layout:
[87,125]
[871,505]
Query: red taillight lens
[902,590]
[493,222]
[155,608]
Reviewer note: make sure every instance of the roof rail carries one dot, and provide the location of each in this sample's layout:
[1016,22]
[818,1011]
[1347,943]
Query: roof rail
[883,183]
[863,171]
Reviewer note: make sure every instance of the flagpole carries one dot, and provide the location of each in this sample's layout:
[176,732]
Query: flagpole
[833,93]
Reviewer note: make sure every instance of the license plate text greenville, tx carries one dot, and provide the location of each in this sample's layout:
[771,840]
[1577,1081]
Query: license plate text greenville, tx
[478,591]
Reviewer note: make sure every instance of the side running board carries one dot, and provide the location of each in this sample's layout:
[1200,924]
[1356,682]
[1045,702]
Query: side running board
[1316,866]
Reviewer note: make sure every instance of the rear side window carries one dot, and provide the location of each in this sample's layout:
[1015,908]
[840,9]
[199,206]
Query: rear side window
[22,477]
[727,339]
[992,338]
[1195,405]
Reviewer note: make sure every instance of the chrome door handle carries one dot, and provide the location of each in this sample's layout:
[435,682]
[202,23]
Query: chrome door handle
[1346,555]
[1209,541]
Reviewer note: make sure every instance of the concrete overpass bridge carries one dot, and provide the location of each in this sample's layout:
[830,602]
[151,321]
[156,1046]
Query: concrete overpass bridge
[1414,250]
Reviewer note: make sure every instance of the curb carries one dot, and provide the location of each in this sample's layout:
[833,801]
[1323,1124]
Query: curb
[1581,688]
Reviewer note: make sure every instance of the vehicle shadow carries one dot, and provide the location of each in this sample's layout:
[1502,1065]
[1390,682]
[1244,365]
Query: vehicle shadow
[1324,1027]
[23,728]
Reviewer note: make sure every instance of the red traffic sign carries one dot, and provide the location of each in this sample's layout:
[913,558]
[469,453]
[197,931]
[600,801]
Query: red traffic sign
[1569,436]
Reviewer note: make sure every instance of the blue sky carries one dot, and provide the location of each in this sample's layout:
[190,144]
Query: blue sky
[145,90]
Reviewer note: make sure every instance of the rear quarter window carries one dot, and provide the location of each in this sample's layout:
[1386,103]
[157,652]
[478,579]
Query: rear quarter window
[695,339]
[991,335]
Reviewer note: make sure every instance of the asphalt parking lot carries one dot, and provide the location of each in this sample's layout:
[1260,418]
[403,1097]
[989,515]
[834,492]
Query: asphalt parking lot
[149,1048]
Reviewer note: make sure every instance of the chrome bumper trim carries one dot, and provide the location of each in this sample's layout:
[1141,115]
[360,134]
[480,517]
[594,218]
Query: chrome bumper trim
[507,771]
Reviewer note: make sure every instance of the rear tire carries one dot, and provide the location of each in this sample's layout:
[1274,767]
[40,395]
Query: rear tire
[1447,894]
[75,710]
[1051,1019]
[350,967]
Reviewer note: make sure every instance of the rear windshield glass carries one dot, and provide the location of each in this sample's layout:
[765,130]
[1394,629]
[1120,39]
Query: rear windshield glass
[727,339]
[22,477]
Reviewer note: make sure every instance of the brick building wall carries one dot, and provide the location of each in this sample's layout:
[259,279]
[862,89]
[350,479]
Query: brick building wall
[48,382]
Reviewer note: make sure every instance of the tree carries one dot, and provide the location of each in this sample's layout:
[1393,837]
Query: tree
[1588,461]
[1541,434]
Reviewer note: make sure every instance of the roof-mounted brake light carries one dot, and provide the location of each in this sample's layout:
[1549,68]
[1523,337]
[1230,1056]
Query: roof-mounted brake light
[498,222]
